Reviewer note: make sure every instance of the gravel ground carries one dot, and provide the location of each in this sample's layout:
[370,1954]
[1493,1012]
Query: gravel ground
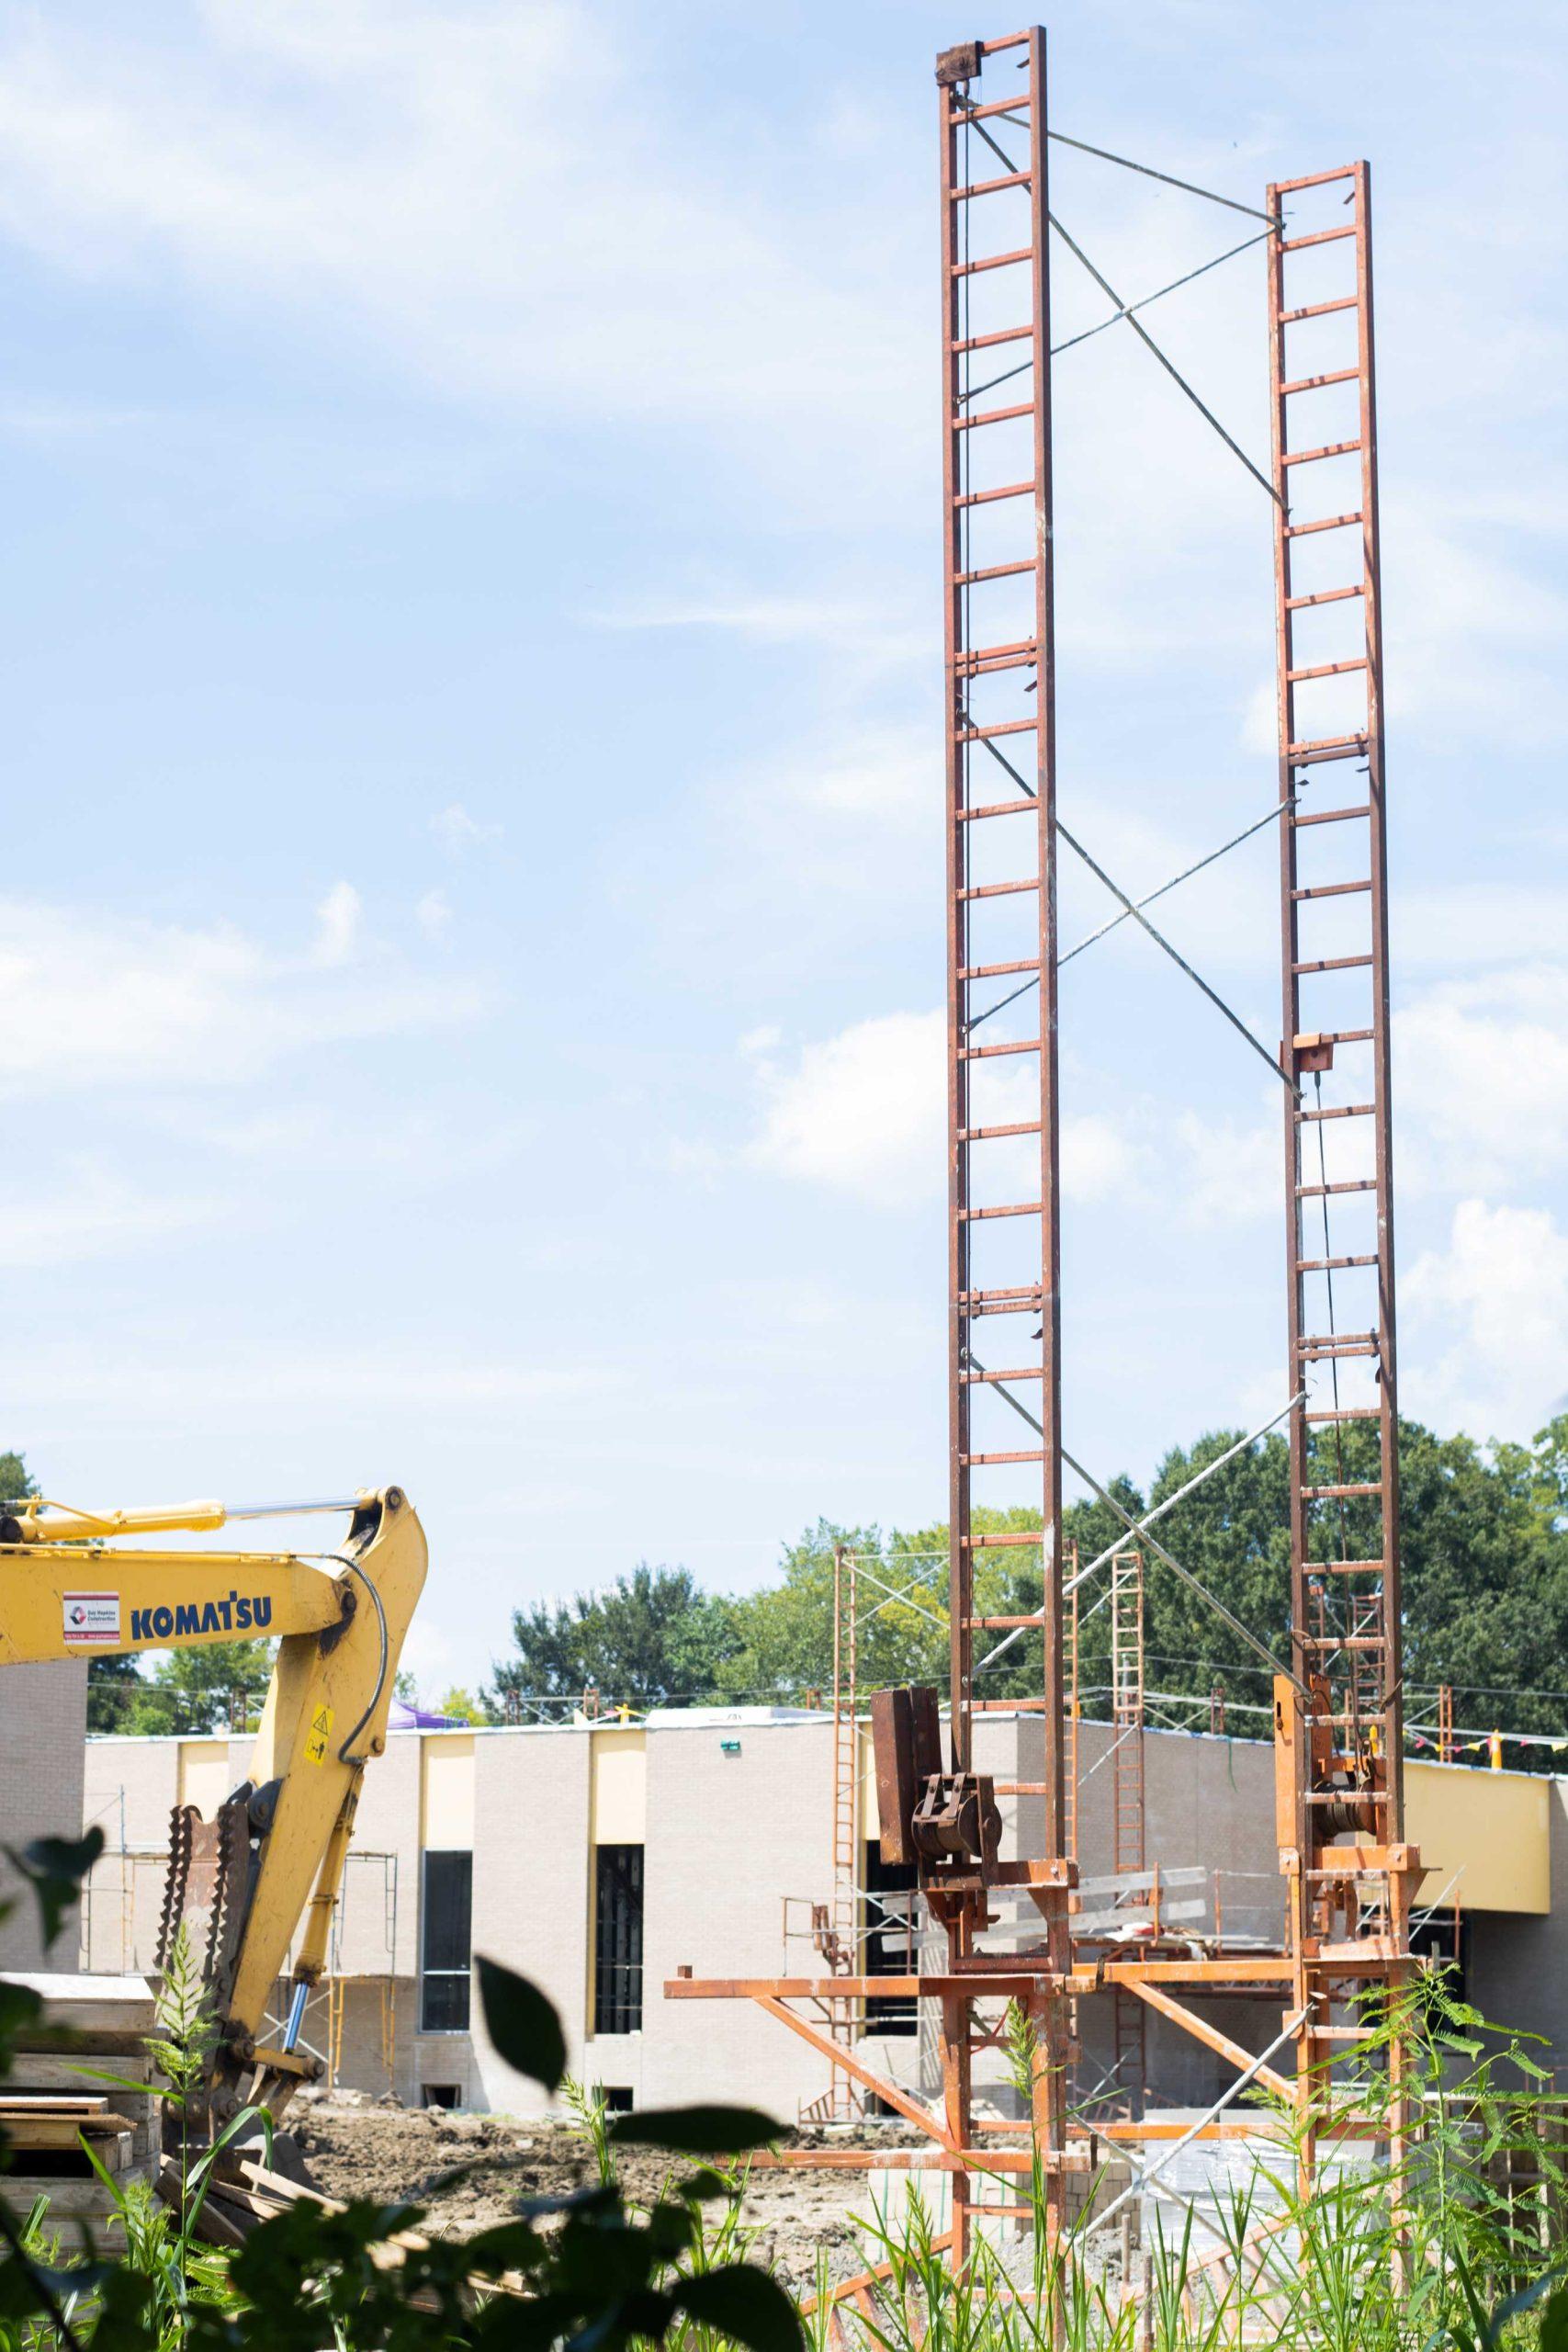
[357,2147]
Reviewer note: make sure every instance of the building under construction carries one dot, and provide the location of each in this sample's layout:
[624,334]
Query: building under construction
[704,1838]
[846,1920]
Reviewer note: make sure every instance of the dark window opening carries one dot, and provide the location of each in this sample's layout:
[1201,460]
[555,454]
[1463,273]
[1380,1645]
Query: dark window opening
[446,1942]
[440,2095]
[1435,1937]
[890,1920]
[617,1939]
[617,2098]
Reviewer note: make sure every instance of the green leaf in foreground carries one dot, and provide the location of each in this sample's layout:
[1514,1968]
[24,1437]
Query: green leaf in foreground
[522,2023]
[54,1868]
[695,2130]
[746,2304]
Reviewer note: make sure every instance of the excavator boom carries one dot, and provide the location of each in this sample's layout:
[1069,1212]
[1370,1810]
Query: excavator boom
[260,1879]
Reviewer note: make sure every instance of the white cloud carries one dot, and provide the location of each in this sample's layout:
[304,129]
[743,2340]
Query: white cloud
[860,1112]
[1099,1159]
[87,1210]
[1482,1074]
[864,1112]
[458,832]
[434,913]
[1499,1294]
[88,999]
[1225,1171]
[862,632]
[75,1382]
[1260,720]
[360,162]
[337,925]
[1456,925]
[1456,594]
[895,773]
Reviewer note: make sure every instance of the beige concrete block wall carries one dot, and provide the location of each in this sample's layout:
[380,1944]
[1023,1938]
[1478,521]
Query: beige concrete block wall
[388,1822]
[132,1787]
[43,1718]
[531,1896]
[378,2026]
[1206,1800]
[728,1837]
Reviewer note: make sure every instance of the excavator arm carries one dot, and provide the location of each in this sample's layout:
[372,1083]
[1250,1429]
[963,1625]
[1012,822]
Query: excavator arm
[241,1883]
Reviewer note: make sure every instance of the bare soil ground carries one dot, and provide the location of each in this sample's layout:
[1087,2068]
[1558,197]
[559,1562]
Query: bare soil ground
[356,2148]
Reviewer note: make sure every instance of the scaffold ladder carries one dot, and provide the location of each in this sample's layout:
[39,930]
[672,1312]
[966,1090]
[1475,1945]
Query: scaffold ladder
[1347,1731]
[843,2099]
[1129,1831]
[1003,1246]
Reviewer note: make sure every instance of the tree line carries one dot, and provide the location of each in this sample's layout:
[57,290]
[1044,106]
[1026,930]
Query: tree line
[1485,1545]
[1484,1548]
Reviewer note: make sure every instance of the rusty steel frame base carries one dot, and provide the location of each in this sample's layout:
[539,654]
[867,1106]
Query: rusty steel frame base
[955,1989]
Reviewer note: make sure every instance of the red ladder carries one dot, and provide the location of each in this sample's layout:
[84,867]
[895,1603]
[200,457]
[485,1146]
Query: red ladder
[1003,1249]
[1129,1828]
[1344,1520]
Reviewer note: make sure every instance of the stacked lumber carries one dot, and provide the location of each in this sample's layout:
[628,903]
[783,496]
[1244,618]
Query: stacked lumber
[83,2067]
[242,2194]
[247,2192]
[46,2133]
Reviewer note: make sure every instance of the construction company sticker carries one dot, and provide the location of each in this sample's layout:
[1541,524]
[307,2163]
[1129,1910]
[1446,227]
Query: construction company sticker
[319,1733]
[90,1617]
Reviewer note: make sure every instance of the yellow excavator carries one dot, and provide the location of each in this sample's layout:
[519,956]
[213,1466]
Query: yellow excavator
[274,1851]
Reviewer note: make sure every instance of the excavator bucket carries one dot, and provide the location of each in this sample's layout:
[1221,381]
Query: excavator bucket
[208,1888]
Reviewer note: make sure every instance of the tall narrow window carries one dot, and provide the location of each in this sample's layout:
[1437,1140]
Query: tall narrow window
[445,1955]
[891,1912]
[617,1939]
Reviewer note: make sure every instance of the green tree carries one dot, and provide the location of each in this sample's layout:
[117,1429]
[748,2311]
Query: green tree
[650,1638]
[1484,1601]
[463,1708]
[216,1688]
[111,1682]
[114,1687]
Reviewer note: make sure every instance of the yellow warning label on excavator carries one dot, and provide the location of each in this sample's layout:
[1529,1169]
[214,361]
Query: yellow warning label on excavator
[319,1733]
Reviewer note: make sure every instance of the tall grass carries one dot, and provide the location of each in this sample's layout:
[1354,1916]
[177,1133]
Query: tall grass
[1444,2234]
[160,2239]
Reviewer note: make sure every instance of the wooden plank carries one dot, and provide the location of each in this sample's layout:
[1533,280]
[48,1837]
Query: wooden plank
[85,2195]
[52,2103]
[111,2008]
[1243,1969]
[68,2070]
[1009,1981]
[111,2147]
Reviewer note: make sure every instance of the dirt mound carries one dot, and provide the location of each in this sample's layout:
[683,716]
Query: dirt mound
[468,2171]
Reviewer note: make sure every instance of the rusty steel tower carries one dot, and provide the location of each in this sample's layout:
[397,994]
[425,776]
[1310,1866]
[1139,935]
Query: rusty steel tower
[1349,1874]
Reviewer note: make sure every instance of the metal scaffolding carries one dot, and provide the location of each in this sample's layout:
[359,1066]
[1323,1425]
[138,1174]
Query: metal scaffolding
[1349,1875]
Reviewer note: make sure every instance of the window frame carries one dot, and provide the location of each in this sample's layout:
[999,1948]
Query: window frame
[444,1975]
[618,1974]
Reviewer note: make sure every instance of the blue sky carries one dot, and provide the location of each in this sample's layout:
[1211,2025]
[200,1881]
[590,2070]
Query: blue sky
[467,999]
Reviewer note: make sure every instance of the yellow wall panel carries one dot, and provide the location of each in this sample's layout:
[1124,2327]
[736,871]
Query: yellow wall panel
[620,1788]
[205,1777]
[870,1817]
[447,1794]
[1493,1828]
